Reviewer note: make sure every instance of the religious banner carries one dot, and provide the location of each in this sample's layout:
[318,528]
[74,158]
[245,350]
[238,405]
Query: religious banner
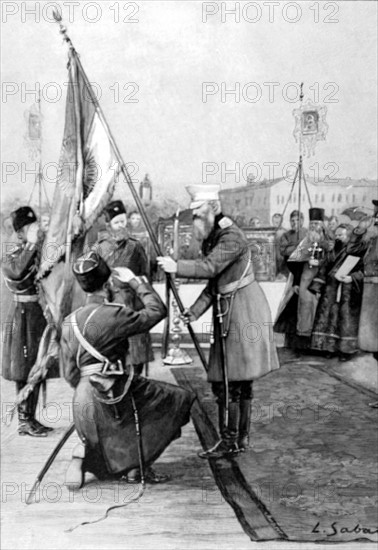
[310,126]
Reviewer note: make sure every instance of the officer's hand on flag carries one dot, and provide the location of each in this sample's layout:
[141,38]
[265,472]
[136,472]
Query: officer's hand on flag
[167,263]
[187,317]
[123,274]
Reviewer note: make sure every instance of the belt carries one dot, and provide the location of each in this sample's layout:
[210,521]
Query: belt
[372,279]
[230,287]
[25,298]
[94,368]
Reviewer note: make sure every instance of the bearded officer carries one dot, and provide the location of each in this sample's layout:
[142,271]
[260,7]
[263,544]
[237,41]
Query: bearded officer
[107,397]
[119,249]
[25,322]
[243,348]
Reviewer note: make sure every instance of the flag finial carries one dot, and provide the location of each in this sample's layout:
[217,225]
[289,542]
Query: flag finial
[63,30]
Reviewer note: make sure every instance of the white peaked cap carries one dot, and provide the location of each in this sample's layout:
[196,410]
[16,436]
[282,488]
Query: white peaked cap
[202,193]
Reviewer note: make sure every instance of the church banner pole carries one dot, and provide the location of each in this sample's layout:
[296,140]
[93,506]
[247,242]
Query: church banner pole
[129,182]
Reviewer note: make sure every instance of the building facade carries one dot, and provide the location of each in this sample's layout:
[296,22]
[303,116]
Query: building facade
[264,199]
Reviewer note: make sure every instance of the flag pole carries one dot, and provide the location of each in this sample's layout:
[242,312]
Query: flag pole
[129,182]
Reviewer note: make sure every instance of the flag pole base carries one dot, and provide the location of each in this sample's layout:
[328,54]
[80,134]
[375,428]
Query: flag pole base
[177,357]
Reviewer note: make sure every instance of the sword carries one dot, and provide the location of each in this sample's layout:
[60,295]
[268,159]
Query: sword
[223,360]
[49,461]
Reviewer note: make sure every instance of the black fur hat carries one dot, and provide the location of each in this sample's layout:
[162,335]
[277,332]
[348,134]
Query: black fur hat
[22,216]
[91,271]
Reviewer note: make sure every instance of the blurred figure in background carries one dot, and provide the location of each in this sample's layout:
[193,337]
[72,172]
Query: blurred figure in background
[281,269]
[119,249]
[255,223]
[367,336]
[337,318]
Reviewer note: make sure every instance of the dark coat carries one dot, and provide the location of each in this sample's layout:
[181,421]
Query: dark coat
[111,443]
[128,253]
[250,350]
[338,314]
[25,321]
[367,335]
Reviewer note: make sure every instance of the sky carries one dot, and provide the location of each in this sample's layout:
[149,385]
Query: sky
[163,70]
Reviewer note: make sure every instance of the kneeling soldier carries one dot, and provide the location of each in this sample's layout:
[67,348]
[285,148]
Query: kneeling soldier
[111,406]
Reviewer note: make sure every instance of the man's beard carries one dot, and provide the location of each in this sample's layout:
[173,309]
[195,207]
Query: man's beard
[120,234]
[201,228]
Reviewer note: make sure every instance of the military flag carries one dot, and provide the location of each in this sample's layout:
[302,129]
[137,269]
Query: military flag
[88,171]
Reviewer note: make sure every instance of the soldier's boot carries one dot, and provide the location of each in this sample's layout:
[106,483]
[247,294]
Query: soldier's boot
[227,447]
[150,476]
[33,406]
[26,425]
[75,472]
[244,423]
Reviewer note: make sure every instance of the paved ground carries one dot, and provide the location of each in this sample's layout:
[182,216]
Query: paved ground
[310,475]
[313,462]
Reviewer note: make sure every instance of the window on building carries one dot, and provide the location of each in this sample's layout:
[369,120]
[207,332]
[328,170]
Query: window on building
[364,198]
[282,199]
[333,197]
[294,197]
[278,199]
[354,198]
[323,198]
[347,197]
[339,198]
[316,198]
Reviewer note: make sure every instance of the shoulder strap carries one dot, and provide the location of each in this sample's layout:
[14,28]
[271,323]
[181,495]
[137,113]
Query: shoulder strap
[83,342]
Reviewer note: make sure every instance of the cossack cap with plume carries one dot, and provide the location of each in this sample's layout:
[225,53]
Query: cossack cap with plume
[113,209]
[202,193]
[22,216]
[91,271]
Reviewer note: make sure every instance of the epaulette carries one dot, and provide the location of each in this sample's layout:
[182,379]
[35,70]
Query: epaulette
[225,222]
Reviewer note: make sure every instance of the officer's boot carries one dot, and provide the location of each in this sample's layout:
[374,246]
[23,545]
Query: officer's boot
[244,423]
[25,421]
[75,471]
[227,447]
[33,407]
[221,424]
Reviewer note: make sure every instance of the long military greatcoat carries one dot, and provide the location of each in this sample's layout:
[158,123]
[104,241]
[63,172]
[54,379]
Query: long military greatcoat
[109,431]
[250,350]
[128,253]
[25,321]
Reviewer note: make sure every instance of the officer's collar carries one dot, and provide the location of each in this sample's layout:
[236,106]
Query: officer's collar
[218,218]
[96,298]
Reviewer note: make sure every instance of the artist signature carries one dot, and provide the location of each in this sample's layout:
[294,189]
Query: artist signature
[335,529]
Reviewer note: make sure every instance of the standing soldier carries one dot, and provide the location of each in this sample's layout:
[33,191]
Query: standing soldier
[25,322]
[118,249]
[243,348]
[114,408]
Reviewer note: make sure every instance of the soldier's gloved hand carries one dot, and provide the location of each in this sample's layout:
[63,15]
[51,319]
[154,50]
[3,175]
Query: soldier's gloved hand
[32,233]
[187,317]
[123,274]
[167,263]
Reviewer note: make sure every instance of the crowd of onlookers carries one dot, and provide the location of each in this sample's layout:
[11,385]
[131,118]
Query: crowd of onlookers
[330,301]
